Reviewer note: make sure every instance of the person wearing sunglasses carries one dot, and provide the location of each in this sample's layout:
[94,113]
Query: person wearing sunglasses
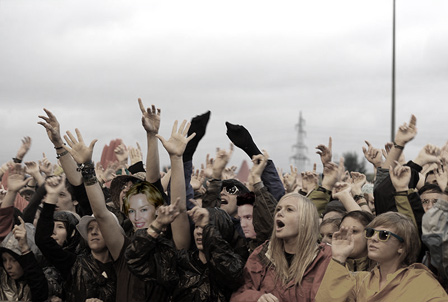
[393,243]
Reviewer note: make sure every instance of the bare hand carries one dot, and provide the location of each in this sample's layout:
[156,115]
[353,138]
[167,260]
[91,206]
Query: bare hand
[221,160]
[135,154]
[341,189]
[372,155]
[268,298]
[46,166]
[79,151]
[176,144]
[406,133]
[31,168]
[229,172]
[24,148]
[259,163]
[291,180]
[167,214]
[325,152]
[150,118]
[342,244]
[52,127]
[55,184]
[19,232]
[16,178]
[200,216]
[429,154]
[121,152]
[400,177]
[208,170]
[359,180]
[310,181]
[441,174]
[197,179]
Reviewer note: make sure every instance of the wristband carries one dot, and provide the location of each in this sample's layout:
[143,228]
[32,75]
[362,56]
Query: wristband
[362,204]
[58,156]
[398,146]
[358,197]
[16,160]
[158,231]
[58,148]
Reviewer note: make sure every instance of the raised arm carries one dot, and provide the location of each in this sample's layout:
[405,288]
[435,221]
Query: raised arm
[405,134]
[109,227]
[175,146]
[16,181]
[151,124]
[51,125]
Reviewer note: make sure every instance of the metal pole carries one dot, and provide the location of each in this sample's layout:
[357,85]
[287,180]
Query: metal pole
[393,75]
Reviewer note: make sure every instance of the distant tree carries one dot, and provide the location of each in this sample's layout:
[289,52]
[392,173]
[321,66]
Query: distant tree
[352,163]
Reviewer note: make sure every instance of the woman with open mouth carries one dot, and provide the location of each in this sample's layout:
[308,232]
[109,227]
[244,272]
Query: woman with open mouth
[291,265]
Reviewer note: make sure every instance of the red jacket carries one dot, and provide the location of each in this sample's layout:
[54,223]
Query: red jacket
[259,278]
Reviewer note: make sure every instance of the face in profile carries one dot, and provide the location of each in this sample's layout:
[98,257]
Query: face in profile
[141,213]
[245,212]
[59,233]
[12,266]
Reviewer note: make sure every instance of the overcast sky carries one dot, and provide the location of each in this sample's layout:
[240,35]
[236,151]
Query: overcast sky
[255,63]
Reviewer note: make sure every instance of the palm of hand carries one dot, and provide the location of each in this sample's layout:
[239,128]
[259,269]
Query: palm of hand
[15,182]
[176,144]
[81,153]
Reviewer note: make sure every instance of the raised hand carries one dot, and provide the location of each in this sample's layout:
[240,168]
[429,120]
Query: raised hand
[406,133]
[45,165]
[31,168]
[428,155]
[55,184]
[359,180]
[325,152]
[208,169]
[291,180]
[24,148]
[167,214]
[342,244]
[341,190]
[200,216]
[400,177]
[150,118]
[331,175]
[229,172]
[310,181]
[19,232]
[16,178]
[372,155]
[221,160]
[78,149]
[441,174]
[135,154]
[121,152]
[259,163]
[197,179]
[52,127]
[176,144]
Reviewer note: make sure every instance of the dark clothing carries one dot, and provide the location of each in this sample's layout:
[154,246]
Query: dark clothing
[130,287]
[182,272]
[84,276]
[6,221]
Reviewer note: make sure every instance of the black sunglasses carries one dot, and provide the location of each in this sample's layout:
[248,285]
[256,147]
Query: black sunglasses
[382,234]
[232,190]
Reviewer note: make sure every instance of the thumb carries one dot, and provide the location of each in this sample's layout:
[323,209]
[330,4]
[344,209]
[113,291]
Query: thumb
[162,140]
[92,144]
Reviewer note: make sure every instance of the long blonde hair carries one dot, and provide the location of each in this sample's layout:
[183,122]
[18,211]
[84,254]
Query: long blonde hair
[306,243]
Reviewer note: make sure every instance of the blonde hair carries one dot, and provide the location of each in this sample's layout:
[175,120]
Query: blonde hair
[153,195]
[306,243]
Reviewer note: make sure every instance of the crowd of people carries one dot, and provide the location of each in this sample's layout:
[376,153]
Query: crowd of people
[77,231]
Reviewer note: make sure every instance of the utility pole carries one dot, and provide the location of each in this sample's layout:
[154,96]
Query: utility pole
[299,158]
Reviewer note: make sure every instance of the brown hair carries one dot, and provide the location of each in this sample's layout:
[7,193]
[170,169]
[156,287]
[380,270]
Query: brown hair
[403,227]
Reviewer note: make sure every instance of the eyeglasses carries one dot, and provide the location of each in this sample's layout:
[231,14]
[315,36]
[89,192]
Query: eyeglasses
[382,234]
[232,190]
[427,201]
